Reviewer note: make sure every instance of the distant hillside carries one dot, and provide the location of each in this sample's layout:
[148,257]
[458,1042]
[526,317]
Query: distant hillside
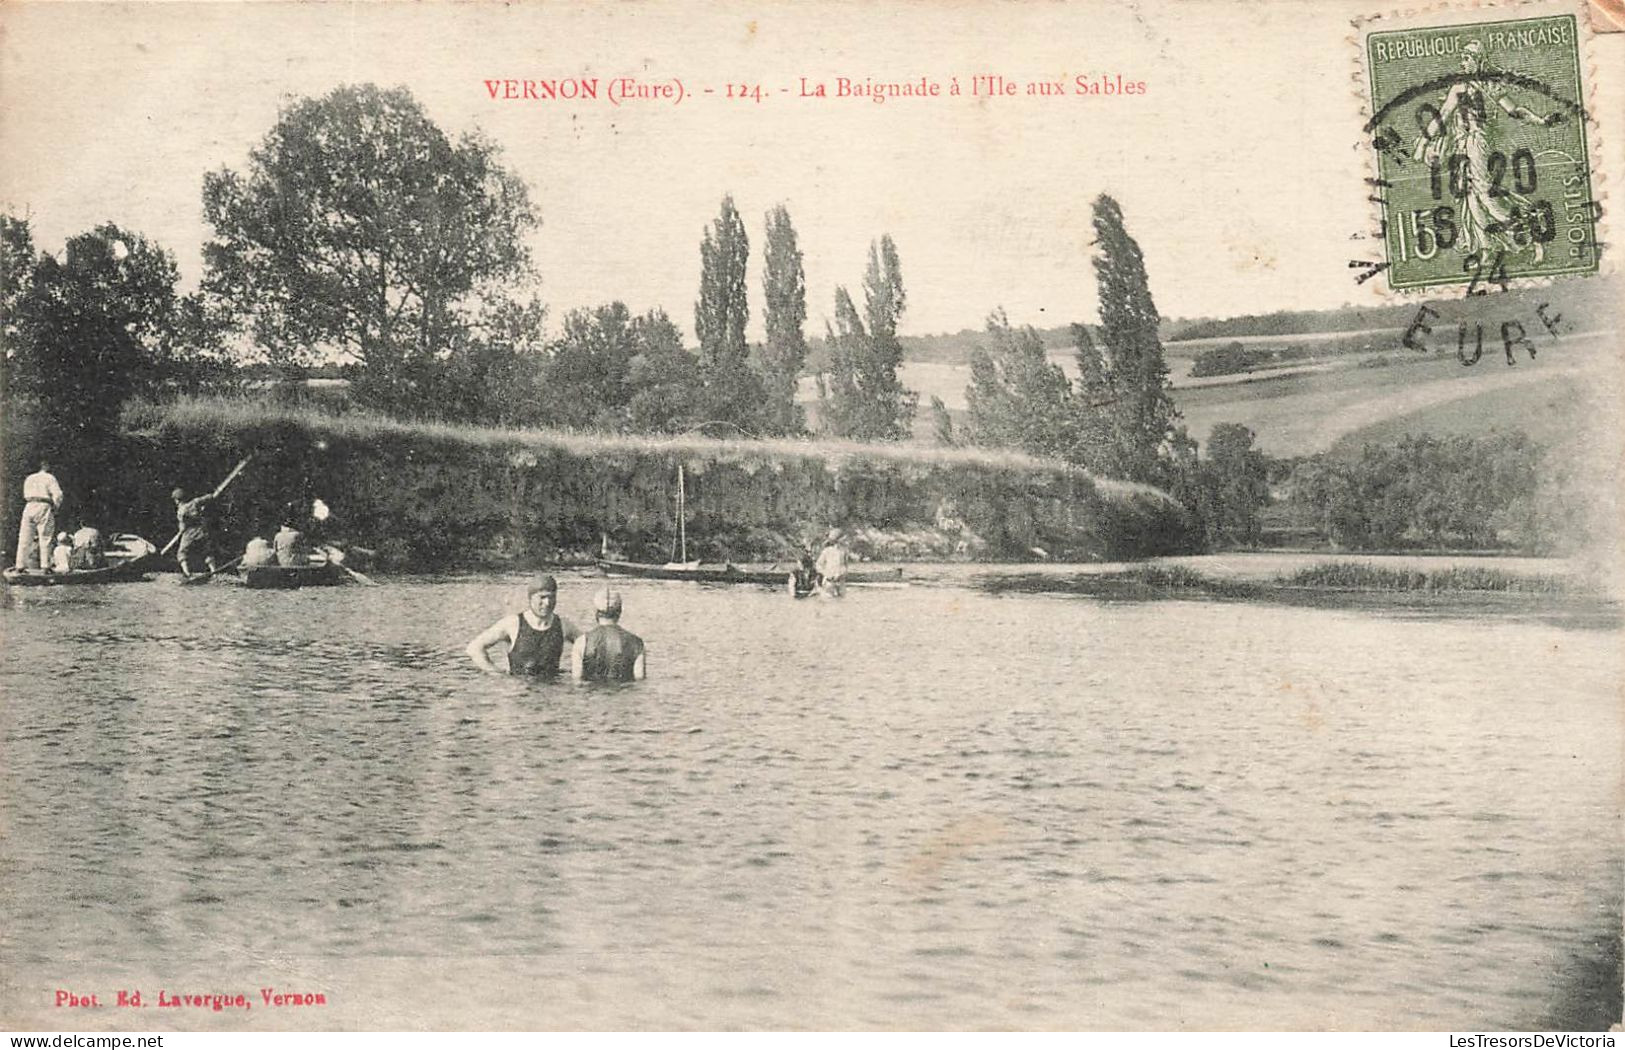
[1297,322]
[1583,302]
[952,348]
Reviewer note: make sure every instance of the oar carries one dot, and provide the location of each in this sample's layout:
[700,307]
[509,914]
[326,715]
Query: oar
[200,577]
[339,561]
[218,489]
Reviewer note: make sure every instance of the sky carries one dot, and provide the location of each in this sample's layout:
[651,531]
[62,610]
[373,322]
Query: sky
[1238,169]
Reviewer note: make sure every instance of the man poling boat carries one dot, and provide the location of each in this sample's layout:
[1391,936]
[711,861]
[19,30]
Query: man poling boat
[193,517]
[42,498]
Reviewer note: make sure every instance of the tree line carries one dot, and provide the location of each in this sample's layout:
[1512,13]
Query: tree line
[360,232]
[1118,418]
[1500,489]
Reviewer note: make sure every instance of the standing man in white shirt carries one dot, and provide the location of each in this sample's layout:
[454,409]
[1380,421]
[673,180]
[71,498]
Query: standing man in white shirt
[42,496]
[831,565]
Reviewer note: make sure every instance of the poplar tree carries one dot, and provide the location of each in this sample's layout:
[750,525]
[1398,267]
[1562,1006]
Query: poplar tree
[732,391]
[1141,411]
[784,291]
[866,400]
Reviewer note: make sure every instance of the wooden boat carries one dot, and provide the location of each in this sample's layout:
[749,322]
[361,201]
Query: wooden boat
[787,577]
[129,558]
[728,572]
[292,577]
[695,572]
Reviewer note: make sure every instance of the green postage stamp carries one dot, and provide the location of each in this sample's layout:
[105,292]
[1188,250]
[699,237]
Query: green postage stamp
[1483,174]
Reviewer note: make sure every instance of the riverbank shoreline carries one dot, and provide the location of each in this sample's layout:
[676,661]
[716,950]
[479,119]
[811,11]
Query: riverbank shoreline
[1565,595]
[432,496]
[1549,590]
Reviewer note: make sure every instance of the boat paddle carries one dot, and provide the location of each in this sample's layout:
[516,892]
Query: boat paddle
[218,489]
[203,576]
[339,561]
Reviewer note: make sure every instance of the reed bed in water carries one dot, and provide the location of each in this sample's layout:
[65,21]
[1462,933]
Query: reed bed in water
[1329,576]
[1361,576]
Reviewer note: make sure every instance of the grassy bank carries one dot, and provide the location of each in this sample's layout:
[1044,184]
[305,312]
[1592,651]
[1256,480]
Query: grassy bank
[449,495]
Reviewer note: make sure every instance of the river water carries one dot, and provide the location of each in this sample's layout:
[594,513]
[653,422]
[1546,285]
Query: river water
[916,807]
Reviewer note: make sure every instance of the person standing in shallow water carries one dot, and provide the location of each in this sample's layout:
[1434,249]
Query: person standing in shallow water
[831,565]
[536,636]
[608,652]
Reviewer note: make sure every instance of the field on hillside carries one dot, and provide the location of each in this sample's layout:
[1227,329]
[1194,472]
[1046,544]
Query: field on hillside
[1341,405]
[1345,408]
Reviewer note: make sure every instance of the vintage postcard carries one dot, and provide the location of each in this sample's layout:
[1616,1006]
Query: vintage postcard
[811,516]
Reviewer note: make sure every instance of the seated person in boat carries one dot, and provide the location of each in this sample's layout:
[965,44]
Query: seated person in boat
[536,635]
[608,652]
[62,553]
[259,553]
[806,574]
[196,543]
[88,552]
[291,546]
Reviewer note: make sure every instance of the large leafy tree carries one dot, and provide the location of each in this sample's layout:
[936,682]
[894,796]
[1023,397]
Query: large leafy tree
[585,384]
[360,228]
[864,399]
[1240,483]
[494,372]
[784,290]
[16,279]
[733,391]
[87,331]
[663,378]
[616,372]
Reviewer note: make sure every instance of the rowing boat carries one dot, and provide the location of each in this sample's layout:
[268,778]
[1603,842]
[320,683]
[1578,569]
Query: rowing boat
[292,577]
[727,572]
[695,572]
[129,558]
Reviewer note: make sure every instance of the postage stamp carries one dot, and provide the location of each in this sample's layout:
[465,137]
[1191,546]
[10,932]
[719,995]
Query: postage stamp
[1484,175]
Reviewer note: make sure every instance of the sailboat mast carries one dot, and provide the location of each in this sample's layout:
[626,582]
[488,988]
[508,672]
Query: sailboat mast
[682,515]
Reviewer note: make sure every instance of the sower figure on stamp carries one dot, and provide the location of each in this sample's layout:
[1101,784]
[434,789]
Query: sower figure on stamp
[1460,142]
[42,496]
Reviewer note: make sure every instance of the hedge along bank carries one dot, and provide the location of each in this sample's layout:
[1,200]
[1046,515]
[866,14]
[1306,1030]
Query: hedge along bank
[451,496]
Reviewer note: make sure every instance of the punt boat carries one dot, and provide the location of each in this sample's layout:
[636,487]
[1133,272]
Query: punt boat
[129,558]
